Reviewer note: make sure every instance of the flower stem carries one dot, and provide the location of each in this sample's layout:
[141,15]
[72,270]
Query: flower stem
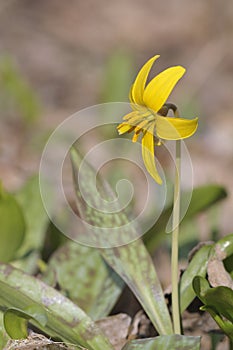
[175,244]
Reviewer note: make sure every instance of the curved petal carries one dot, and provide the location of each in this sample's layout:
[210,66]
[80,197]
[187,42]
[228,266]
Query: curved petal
[175,128]
[148,154]
[131,96]
[137,89]
[159,88]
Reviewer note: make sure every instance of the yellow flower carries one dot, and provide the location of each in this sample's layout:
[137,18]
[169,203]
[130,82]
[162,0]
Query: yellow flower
[149,113]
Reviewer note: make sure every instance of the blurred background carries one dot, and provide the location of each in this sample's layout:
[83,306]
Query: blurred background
[57,57]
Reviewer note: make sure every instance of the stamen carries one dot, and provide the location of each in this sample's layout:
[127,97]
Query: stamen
[128,116]
[123,128]
[135,137]
[130,130]
[134,120]
[158,142]
[141,126]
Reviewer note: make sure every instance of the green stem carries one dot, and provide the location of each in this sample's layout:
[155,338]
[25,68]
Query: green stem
[175,244]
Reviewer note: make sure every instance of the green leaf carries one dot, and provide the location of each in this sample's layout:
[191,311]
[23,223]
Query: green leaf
[225,245]
[16,94]
[218,302]
[200,287]
[223,250]
[36,225]
[3,335]
[117,78]
[16,320]
[165,342]
[224,324]
[221,299]
[12,227]
[85,278]
[197,266]
[203,197]
[132,261]
[35,215]
[65,320]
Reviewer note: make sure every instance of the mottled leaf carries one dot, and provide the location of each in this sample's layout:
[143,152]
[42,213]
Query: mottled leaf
[132,261]
[165,342]
[12,226]
[85,278]
[65,320]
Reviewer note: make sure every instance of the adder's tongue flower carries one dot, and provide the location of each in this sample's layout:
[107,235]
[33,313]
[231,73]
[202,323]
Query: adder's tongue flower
[149,112]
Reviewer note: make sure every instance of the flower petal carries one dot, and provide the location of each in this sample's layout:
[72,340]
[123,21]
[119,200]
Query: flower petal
[148,154]
[137,89]
[175,128]
[159,88]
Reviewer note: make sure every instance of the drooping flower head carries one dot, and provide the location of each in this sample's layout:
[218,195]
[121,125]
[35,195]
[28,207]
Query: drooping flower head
[149,110]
